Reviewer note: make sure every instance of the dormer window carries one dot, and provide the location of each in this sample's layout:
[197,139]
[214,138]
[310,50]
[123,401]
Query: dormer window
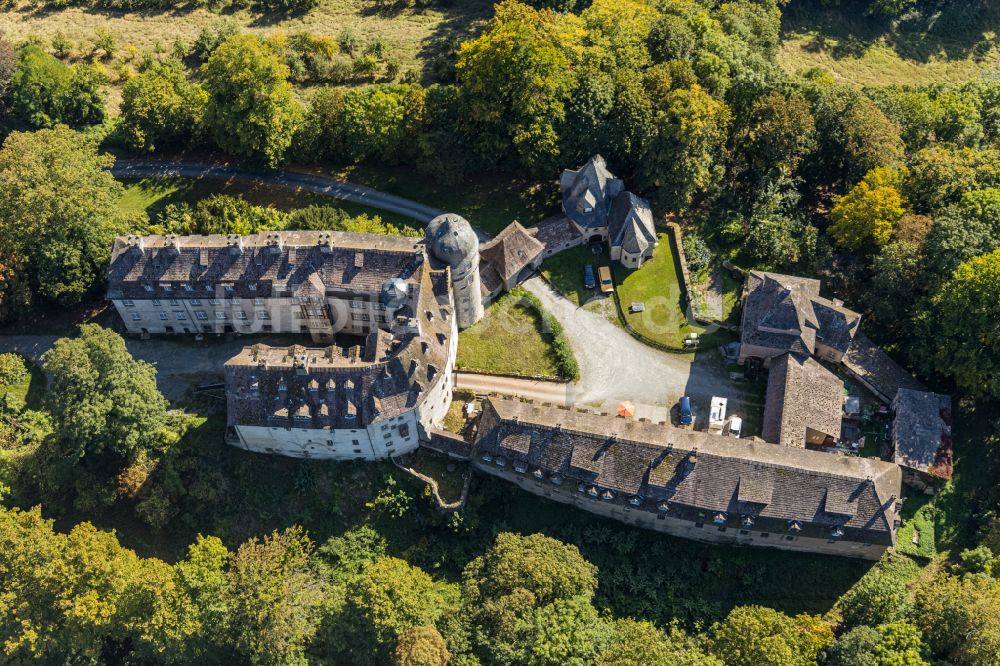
[607,496]
[168,287]
[719,518]
[557,479]
[794,526]
[663,506]
[539,474]
[581,487]
[188,287]
[747,522]
[148,287]
[501,461]
[592,491]
[487,457]
[520,467]
[635,500]
[252,286]
[837,532]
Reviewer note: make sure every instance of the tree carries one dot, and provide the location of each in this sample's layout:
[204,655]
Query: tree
[867,215]
[780,133]
[755,636]
[420,646]
[960,618]
[634,643]
[685,156]
[319,135]
[106,410]
[275,598]
[953,239]
[960,334]
[566,631]
[671,38]
[386,599]
[381,121]
[250,111]
[895,644]
[160,109]
[8,63]
[202,577]
[58,216]
[45,92]
[321,218]
[940,175]
[13,369]
[546,568]
[516,78]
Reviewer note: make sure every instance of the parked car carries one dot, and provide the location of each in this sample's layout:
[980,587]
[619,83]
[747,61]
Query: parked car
[684,416]
[607,286]
[637,307]
[588,277]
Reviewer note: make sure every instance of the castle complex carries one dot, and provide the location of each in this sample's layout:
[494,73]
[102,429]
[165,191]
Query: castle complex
[383,314]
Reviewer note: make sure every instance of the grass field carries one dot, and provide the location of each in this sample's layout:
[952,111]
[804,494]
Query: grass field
[414,36]
[657,284]
[28,392]
[857,49]
[508,340]
[564,271]
[152,195]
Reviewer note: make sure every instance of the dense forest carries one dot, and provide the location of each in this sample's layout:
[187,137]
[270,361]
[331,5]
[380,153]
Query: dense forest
[890,194]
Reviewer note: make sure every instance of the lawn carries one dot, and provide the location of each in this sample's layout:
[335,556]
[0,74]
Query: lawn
[564,271]
[657,284]
[414,36]
[152,195]
[918,517]
[435,466]
[508,340]
[957,46]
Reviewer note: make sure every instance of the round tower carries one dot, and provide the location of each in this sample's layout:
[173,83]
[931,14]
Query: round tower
[450,239]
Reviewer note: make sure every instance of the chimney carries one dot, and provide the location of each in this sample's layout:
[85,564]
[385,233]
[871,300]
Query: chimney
[235,243]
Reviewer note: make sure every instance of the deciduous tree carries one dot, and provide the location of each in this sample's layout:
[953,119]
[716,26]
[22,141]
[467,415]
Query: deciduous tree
[756,636]
[161,110]
[250,111]
[865,217]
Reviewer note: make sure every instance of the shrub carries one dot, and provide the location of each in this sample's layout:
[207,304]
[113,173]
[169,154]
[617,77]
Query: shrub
[697,253]
[13,369]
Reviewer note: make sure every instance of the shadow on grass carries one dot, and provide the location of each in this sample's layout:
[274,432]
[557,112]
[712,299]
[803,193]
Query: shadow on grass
[956,31]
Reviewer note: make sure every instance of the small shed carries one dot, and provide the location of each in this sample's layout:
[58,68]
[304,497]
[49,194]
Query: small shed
[717,415]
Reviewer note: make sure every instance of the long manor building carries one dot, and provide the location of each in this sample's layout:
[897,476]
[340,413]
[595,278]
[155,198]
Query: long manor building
[380,312]
[697,485]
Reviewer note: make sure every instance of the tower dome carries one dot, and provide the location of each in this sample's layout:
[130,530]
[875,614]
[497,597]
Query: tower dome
[394,293]
[451,239]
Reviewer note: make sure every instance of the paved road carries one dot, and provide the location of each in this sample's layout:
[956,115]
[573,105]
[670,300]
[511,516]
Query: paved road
[614,366]
[179,364]
[331,187]
[556,393]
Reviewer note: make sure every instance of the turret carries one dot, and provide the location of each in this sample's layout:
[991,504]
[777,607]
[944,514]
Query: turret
[450,239]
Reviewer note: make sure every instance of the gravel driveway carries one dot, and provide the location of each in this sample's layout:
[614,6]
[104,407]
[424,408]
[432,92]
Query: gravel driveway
[614,366]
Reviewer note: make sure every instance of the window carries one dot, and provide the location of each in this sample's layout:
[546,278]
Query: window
[174,302]
[213,301]
[235,300]
[387,435]
[252,286]
[240,314]
[699,525]
[790,538]
[195,301]
[136,316]
[404,430]
[764,535]
[156,302]
[181,316]
[356,305]
[128,303]
[258,301]
[188,287]
[744,532]
[148,287]
[163,316]
[219,314]
[168,287]
[263,314]
[201,315]
[355,442]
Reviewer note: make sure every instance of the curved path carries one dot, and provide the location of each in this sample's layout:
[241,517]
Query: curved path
[331,187]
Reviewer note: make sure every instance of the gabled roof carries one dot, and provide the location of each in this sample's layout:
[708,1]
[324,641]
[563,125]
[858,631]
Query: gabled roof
[801,394]
[511,250]
[587,193]
[630,224]
[697,474]
[837,325]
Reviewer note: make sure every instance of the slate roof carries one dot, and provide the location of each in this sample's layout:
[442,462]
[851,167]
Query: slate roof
[801,394]
[555,232]
[587,193]
[694,475]
[837,325]
[261,265]
[921,432]
[877,370]
[630,223]
[511,250]
[337,387]
[778,312]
